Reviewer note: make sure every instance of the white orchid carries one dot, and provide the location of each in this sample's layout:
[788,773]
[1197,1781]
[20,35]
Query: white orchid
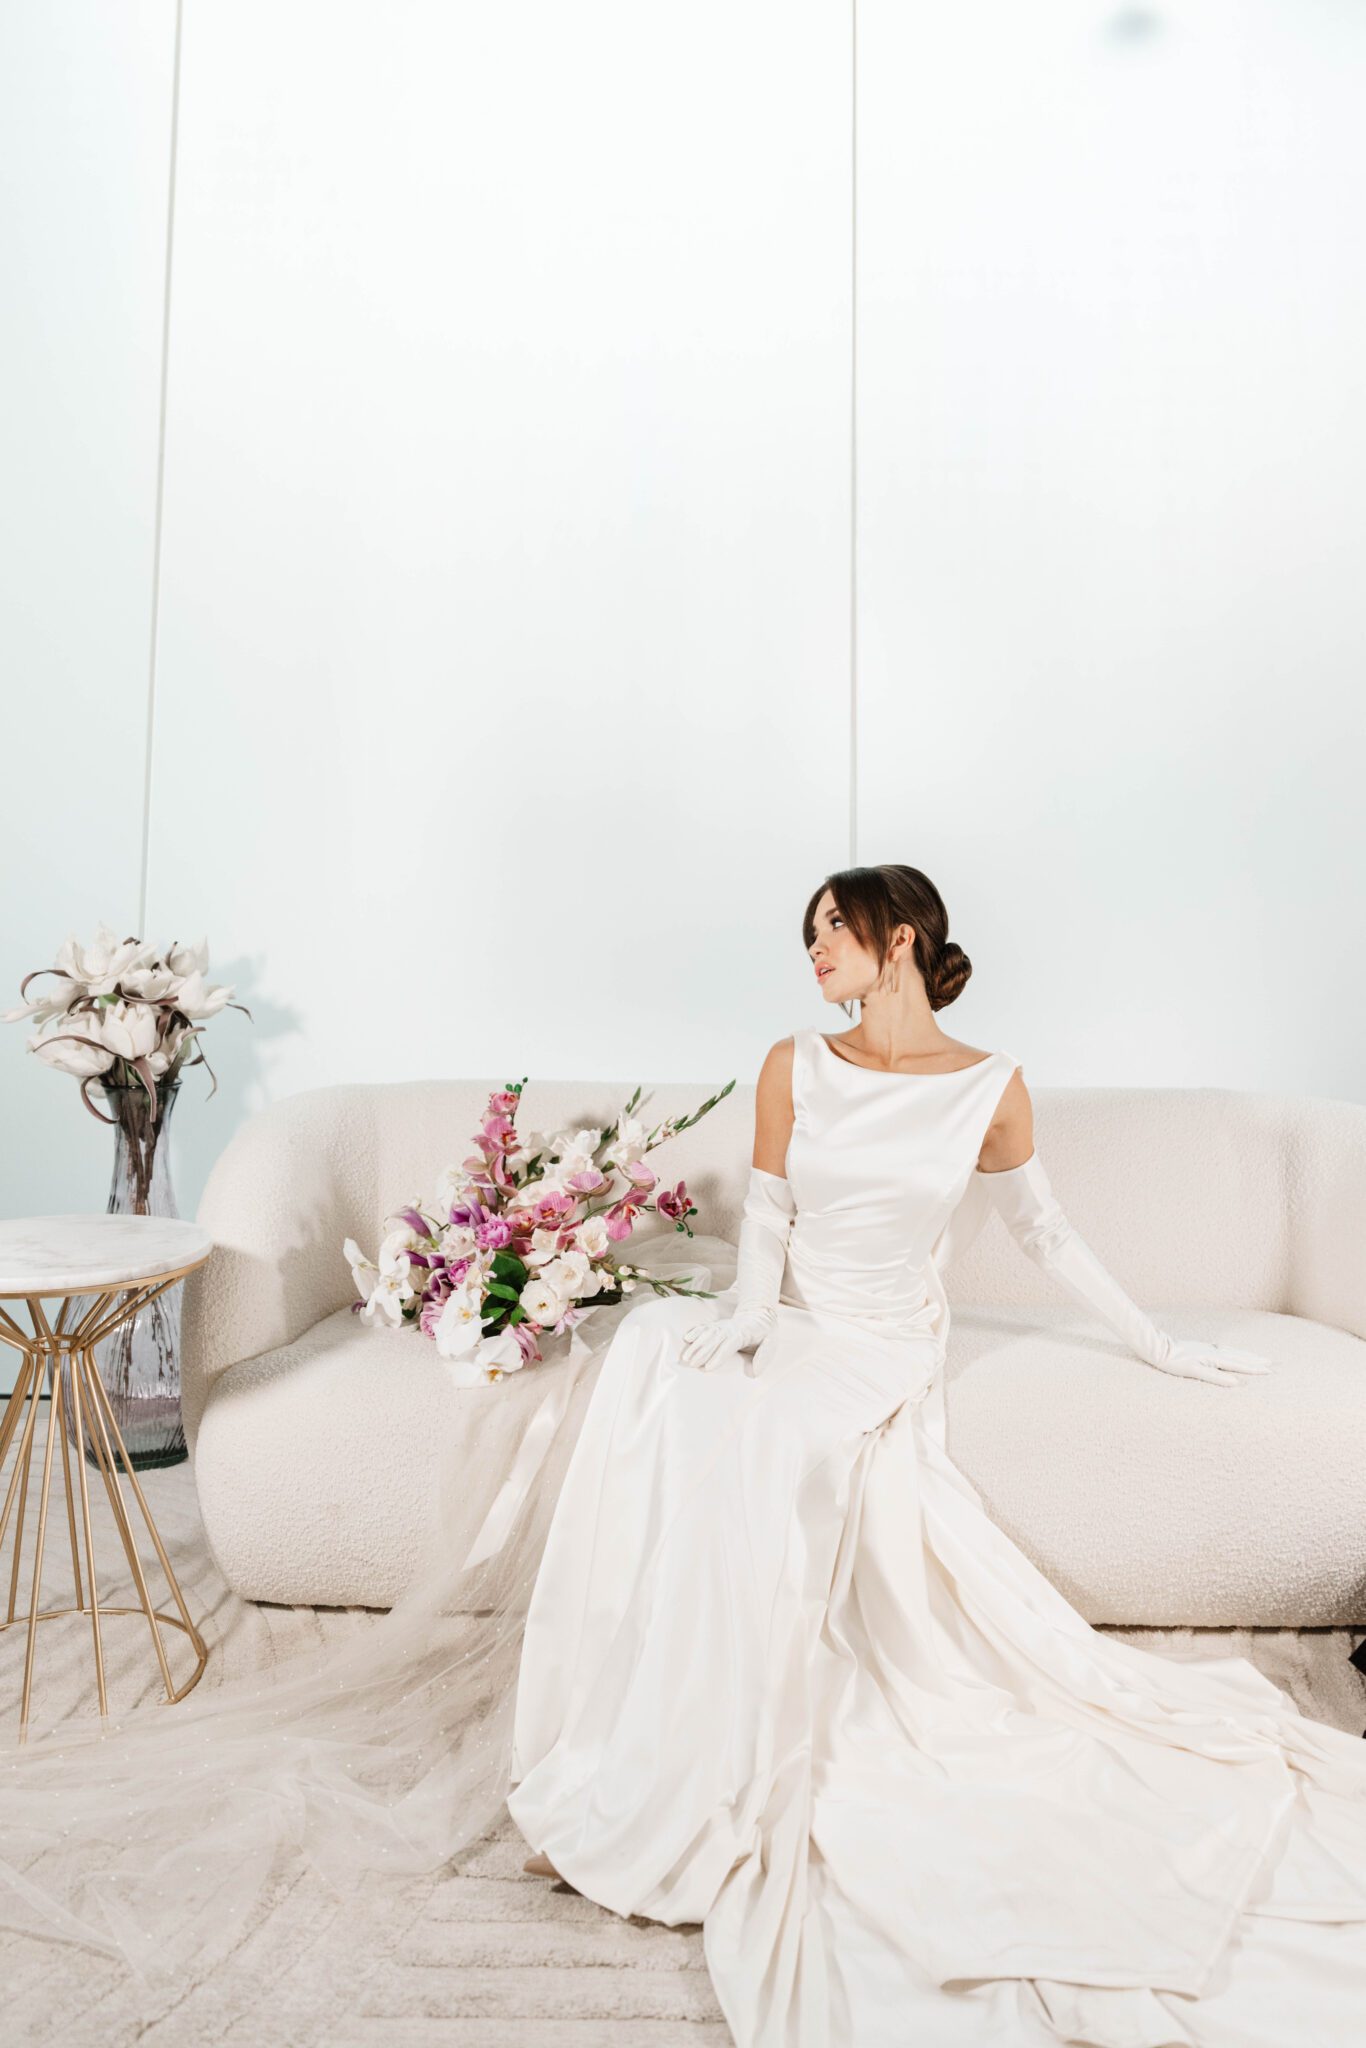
[384,1293]
[74,1045]
[458,1327]
[390,1295]
[363,1271]
[489,1360]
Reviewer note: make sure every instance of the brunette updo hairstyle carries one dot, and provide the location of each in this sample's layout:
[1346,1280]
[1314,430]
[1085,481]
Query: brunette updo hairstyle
[874,901]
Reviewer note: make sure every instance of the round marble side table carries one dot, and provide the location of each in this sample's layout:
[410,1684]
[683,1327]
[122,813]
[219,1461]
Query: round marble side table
[124,1262]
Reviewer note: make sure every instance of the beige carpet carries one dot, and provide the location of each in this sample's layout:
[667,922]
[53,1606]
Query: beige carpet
[482,1956]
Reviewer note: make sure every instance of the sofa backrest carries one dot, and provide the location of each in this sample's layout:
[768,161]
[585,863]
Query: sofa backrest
[1203,1195]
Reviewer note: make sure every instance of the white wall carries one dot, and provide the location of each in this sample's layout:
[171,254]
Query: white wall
[1112,464]
[503,693]
[504,677]
[85,133]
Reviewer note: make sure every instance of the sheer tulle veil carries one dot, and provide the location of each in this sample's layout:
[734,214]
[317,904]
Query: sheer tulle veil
[158,1836]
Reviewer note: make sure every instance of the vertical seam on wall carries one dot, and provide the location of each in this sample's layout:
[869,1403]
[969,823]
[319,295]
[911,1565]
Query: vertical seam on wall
[853,432]
[155,633]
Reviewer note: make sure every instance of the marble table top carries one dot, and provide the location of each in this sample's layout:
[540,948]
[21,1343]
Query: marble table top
[77,1254]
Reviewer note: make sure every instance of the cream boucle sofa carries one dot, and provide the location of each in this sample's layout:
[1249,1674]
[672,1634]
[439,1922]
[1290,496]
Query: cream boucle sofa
[1145,1498]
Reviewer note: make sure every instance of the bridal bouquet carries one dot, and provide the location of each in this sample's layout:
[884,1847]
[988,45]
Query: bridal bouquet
[522,1239]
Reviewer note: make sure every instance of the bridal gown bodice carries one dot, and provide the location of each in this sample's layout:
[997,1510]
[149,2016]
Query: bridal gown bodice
[877,1163]
[783,1675]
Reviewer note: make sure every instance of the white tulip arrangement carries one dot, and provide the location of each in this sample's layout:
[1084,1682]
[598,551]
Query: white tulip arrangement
[123,1013]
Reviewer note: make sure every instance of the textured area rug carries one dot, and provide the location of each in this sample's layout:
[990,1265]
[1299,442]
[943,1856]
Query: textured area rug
[479,1956]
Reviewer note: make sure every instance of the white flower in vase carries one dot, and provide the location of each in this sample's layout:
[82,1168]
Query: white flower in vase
[74,1045]
[130,1029]
[196,998]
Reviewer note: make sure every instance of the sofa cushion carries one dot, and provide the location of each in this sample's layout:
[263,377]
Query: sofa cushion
[1153,1500]
[1147,1499]
[319,1466]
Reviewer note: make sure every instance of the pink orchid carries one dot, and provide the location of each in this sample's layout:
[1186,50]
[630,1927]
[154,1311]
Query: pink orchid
[675,1202]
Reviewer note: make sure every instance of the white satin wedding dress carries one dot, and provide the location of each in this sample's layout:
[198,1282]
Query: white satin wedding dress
[783,1675]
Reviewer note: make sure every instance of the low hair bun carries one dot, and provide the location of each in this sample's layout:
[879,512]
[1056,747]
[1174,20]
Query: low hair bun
[951,973]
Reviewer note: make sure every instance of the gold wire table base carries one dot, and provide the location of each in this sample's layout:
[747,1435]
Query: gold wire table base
[66,1358]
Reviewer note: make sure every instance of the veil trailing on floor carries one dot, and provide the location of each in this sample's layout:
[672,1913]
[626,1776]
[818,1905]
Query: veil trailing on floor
[157,1838]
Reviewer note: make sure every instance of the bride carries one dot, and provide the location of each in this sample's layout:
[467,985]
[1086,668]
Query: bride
[749,1651]
[783,1675]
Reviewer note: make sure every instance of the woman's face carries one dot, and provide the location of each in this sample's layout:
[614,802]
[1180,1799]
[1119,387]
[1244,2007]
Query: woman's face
[844,967]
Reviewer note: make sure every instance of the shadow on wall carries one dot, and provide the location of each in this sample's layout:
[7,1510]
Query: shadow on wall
[237,1049]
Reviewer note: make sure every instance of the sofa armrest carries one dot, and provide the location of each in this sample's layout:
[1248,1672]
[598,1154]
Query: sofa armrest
[295,1181]
[1326,1195]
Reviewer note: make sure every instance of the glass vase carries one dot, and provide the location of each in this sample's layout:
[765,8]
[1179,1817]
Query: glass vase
[139,1362]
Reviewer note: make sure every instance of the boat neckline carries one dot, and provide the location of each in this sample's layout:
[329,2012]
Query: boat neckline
[891,1074]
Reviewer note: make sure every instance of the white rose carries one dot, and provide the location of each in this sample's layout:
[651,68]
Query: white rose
[570,1275]
[542,1302]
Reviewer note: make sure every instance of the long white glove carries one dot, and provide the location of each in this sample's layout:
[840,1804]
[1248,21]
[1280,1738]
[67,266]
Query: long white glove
[1022,1197]
[764,1229]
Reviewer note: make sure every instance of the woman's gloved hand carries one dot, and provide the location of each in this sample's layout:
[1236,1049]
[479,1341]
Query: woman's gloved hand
[1031,1213]
[764,1229]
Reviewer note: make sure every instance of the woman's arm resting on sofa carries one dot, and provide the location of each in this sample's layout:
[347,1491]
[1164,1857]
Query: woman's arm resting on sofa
[1023,1198]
